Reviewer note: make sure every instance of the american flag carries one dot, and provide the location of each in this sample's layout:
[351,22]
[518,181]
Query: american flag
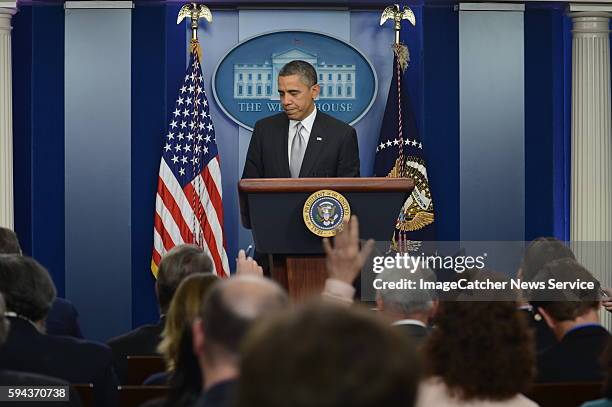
[188,207]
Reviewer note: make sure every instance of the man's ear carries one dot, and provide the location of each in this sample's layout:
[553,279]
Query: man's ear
[314,90]
[549,320]
[197,333]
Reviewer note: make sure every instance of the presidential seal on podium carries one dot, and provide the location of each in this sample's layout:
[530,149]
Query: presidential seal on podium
[325,211]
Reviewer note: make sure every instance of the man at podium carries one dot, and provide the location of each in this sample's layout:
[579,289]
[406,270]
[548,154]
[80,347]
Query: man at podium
[301,141]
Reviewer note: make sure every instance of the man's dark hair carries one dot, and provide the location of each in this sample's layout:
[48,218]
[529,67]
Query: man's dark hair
[26,285]
[566,304]
[231,307]
[327,355]
[9,244]
[179,263]
[541,251]
[306,72]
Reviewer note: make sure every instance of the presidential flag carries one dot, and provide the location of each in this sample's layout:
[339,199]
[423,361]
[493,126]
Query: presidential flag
[188,207]
[400,153]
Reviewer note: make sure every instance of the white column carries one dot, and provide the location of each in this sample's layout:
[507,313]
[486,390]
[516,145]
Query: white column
[6,119]
[591,188]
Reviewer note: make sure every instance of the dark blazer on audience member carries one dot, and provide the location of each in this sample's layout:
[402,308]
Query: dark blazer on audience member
[142,341]
[70,359]
[220,395]
[543,335]
[14,378]
[63,319]
[417,333]
[332,149]
[575,358]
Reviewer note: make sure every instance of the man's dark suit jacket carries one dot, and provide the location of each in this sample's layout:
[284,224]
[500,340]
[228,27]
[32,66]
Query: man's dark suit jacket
[543,335]
[220,395]
[332,149]
[417,333]
[63,319]
[575,358]
[74,360]
[14,378]
[142,341]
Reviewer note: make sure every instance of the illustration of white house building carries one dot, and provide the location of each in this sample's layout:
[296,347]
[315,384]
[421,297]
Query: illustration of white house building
[258,81]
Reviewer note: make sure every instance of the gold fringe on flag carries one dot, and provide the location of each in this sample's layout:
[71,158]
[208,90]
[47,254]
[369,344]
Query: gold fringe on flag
[194,48]
[403,55]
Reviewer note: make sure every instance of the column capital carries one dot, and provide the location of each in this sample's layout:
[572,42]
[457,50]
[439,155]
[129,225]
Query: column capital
[577,10]
[590,19]
[7,10]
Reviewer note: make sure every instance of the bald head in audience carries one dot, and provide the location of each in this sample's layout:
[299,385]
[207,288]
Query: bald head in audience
[327,356]
[400,306]
[227,314]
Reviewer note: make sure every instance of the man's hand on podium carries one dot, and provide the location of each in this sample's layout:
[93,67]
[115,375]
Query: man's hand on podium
[344,260]
[247,266]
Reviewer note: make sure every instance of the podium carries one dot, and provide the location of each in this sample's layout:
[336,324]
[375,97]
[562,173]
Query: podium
[272,209]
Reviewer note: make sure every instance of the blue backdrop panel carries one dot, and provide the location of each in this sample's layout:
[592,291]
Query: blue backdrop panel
[563,115]
[441,115]
[148,126]
[98,129]
[21,43]
[491,82]
[546,141]
[38,89]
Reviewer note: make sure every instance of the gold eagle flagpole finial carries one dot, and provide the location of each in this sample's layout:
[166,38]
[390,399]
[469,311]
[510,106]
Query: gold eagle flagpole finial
[395,13]
[195,12]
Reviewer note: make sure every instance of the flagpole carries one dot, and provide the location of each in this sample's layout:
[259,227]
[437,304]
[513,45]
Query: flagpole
[402,56]
[195,12]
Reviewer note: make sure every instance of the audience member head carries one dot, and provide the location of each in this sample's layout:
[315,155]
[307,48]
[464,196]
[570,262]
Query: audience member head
[4,324]
[397,304]
[566,307]
[226,315]
[9,244]
[178,263]
[541,251]
[486,276]
[27,287]
[327,355]
[184,308]
[481,350]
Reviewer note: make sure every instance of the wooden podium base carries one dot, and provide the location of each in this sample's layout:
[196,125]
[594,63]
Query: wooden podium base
[302,276]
